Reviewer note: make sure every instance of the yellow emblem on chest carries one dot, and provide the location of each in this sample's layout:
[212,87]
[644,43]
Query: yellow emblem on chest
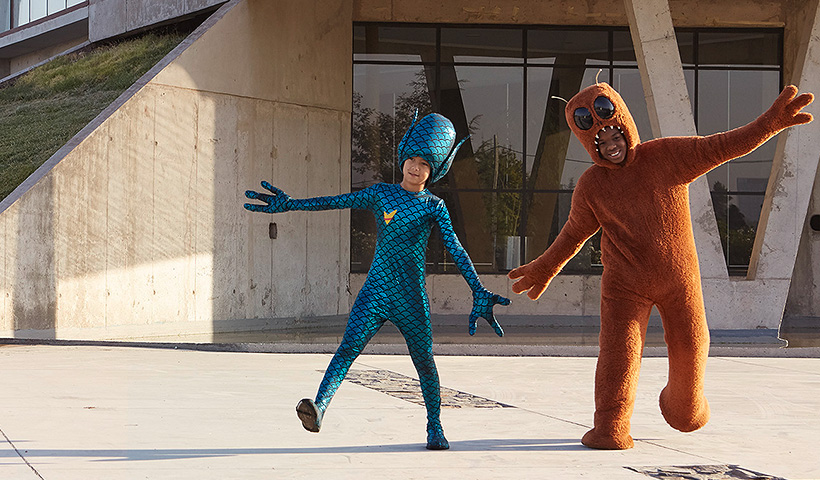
[388,217]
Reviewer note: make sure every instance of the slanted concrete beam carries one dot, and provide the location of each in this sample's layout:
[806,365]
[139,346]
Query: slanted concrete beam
[793,173]
[670,114]
[758,301]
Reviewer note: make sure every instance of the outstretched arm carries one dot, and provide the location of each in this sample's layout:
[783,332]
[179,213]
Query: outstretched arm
[535,276]
[278,201]
[483,299]
[706,153]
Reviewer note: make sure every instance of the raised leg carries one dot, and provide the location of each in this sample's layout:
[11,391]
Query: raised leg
[623,331]
[683,403]
[361,326]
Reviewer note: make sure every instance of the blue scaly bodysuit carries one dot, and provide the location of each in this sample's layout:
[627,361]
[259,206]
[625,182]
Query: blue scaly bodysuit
[395,286]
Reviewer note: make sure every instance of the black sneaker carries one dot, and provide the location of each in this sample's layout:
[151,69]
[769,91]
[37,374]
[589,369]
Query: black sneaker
[309,414]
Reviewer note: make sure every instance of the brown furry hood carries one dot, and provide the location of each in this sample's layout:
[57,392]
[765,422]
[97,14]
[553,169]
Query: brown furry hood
[621,119]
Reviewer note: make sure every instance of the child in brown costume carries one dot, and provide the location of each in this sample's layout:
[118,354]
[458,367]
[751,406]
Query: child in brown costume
[637,193]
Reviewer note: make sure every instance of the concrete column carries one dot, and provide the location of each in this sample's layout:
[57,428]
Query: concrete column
[106,19]
[670,114]
[793,173]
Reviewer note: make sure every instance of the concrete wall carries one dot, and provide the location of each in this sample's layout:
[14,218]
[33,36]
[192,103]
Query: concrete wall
[139,230]
[685,13]
[804,293]
[23,62]
[110,18]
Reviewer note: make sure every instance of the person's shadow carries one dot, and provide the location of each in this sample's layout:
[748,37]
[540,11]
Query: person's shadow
[113,455]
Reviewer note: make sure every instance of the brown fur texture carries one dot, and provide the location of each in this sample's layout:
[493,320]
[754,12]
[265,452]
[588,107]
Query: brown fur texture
[649,257]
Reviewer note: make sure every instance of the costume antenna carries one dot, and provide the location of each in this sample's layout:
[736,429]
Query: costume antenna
[596,75]
[559,98]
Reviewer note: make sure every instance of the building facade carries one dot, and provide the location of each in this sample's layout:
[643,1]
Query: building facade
[141,212]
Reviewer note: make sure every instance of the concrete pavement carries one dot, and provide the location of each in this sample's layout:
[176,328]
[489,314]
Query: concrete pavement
[107,412]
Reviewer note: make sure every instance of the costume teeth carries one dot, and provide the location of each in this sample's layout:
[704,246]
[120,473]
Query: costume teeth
[605,128]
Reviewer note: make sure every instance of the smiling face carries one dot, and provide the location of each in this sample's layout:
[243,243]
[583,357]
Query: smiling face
[598,111]
[611,145]
[416,172]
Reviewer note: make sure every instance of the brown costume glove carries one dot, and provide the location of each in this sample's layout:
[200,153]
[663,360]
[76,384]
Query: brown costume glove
[533,277]
[785,111]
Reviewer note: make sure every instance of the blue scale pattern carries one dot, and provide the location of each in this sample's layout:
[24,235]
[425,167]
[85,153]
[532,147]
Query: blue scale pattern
[431,138]
[395,286]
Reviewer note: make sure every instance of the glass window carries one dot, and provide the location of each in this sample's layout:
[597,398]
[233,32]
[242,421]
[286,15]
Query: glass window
[735,48]
[38,9]
[623,52]
[510,186]
[5,15]
[737,231]
[54,6]
[484,45]
[686,47]
[555,158]
[394,44]
[628,83]
[568,47]
[26,11]
[21,13]
[480,234]
[485,102]
[728,99]
[385,97]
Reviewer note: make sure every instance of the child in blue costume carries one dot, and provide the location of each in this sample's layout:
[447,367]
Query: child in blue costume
[395,286]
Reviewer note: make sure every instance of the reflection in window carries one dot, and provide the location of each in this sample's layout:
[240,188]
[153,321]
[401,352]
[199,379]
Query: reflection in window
[568,47]
[737,77]
[384,101]
[394,44]
[740,49]
[5,15]
[471,45]
[510,187]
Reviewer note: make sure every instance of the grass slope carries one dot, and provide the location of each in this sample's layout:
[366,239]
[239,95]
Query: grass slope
[43,109]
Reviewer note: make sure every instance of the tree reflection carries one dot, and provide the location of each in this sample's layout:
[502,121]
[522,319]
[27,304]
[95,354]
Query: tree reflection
[736,236]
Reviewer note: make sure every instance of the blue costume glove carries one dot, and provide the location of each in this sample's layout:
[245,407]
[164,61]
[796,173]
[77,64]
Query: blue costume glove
[483,302]
[276,203]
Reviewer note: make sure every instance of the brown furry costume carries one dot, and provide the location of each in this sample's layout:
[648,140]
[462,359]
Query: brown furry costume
[648,252]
